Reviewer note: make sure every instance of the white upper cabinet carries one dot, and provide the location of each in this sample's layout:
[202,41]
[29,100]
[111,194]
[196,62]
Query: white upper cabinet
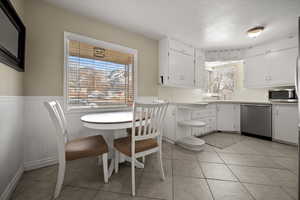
[176,64]
[255,72]
[181,69]
[272,65]
[282,66]
[175,45]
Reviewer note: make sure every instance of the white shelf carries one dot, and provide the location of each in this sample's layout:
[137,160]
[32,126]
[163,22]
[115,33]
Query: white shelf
[192,123]
[191,143]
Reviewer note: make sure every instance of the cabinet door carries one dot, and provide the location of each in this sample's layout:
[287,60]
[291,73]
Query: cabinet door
[226,117]
[285,123]
[181,70]
[181,47]
[256,72]
[237,116]
[169,130]
[282,67]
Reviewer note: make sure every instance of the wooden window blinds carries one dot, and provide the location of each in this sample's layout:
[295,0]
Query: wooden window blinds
[98,77]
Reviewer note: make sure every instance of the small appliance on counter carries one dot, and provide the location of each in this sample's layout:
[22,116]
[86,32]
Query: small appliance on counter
[283,95]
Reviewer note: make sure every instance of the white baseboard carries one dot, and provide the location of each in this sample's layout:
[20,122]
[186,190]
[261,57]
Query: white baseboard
[12,185]
[40,163]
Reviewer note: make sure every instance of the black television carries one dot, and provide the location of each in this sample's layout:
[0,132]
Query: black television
[12,37]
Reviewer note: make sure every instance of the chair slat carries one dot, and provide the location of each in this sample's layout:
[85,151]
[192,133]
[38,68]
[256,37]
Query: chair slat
[150,119]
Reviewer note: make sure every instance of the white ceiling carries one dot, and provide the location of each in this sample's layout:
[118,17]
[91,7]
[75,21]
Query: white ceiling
[209,24]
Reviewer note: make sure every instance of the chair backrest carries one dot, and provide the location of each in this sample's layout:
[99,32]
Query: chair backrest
[58,118]
[148,120]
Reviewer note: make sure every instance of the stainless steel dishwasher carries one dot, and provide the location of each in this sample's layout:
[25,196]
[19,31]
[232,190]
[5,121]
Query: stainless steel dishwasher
[256,120]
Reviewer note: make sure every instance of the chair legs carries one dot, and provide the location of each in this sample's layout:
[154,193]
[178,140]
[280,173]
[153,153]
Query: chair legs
[162,173]
[60,178]
[105,167]
[133,176]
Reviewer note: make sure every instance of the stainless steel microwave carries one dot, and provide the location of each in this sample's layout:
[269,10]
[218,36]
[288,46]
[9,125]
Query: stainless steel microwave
[283,95]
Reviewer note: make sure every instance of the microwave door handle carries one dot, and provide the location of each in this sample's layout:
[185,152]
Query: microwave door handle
[296,76]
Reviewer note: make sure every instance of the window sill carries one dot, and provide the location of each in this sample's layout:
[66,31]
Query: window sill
[74,110]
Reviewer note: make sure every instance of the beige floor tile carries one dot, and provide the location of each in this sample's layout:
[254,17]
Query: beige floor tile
[264,192]
[186,188]
[288,163]
[205,156]
[167,150]
[121,182]
[72,193]
[238,148]
[292,191]
[152,165]
[227,190]
[33,190]
[217,171]
[250,160]
[187,168]
[117,196]
[265,176]
[152,186]
[47,174]
[182,154]
[85,178]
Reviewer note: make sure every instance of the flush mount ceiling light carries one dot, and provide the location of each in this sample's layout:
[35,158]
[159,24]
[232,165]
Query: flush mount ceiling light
[256,31]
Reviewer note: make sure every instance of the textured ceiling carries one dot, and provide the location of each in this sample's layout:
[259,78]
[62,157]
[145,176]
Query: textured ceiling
[209,24]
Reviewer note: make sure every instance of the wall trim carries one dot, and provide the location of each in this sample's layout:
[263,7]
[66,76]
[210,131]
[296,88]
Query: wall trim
[12,184]
[11,98]
[31,165]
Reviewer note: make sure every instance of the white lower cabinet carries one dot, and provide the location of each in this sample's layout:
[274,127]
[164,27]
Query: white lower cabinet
[285,123]
[228,117]
[170,123]
[177,113]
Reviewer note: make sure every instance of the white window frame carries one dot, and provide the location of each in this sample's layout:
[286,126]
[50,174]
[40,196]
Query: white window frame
[72,36]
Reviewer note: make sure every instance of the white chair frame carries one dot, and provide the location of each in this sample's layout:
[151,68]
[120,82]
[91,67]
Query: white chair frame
[148,119]
[57,116]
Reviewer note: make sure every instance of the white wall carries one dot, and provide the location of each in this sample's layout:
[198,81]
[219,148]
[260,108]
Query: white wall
[11,142]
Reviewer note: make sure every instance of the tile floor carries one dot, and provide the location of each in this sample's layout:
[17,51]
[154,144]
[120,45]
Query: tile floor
[251,169]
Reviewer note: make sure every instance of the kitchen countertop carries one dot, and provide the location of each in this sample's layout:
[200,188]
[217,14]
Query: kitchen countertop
[206,102]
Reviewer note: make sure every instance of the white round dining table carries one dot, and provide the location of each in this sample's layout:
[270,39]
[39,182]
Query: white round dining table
[113,121]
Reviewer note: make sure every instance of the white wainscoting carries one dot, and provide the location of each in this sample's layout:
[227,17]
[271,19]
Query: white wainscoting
[11,143]
[40,140]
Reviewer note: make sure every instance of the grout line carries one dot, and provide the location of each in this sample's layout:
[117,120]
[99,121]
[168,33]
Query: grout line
[212,194]
[199,164]
[238,178]
[248,191]
[285,191]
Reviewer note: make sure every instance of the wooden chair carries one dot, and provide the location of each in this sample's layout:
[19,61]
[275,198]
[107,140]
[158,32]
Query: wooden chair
[145,138]
[75,149]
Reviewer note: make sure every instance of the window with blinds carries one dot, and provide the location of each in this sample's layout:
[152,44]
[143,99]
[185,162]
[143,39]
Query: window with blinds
[98,76]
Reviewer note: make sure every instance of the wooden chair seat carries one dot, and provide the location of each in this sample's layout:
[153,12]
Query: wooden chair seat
[86,147]
[123,145]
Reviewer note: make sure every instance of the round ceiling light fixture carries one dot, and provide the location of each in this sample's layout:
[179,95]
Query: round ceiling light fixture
[256,31]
